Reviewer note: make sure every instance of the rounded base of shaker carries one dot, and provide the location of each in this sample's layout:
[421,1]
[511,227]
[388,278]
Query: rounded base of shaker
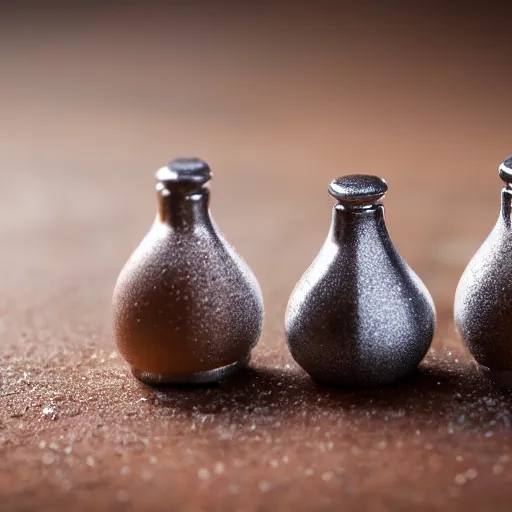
[204,377]
[501,377]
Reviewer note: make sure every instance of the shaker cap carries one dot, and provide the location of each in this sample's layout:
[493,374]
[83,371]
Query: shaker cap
[358,189]
[191,171]
[505,171]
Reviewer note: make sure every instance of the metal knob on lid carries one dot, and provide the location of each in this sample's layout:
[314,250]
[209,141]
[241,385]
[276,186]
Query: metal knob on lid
[358,189]
[187,174]
[505,171]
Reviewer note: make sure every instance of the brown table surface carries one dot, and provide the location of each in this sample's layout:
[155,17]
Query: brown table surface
[278,103]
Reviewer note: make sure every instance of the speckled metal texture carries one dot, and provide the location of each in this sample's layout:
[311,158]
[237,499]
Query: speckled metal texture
[483,301]
[359,316]
[186,307]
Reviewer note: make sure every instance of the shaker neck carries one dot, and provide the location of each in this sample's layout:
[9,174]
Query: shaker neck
[181,210]
[346,221]
[506,205]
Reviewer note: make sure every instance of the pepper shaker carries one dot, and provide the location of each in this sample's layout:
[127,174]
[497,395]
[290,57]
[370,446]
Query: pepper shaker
[483,301]
[186,307]
[359,316]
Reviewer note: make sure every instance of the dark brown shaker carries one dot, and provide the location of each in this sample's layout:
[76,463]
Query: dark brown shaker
[186,307]
[483,301]
[359,316]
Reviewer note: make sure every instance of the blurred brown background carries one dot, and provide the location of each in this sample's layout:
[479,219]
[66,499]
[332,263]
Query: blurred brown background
[278,100]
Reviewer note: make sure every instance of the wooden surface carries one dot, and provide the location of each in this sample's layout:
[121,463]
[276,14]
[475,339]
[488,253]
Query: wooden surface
[278,105]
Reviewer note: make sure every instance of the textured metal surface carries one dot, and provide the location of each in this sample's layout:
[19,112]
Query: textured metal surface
[186,307]
[483,301]
[359,316]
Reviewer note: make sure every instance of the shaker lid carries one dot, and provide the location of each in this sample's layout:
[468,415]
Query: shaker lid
[358,189]
[505,170]
[185,170]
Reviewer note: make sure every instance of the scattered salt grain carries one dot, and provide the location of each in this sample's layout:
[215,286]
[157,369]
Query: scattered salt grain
[264,486]
[219,468]
[50,412]
[460,479]
[497,469]
[203,474]
[471,473]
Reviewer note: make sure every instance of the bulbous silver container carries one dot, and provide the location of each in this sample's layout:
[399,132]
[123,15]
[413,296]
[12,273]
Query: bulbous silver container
[483,300]
[186,307]
[359,316]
